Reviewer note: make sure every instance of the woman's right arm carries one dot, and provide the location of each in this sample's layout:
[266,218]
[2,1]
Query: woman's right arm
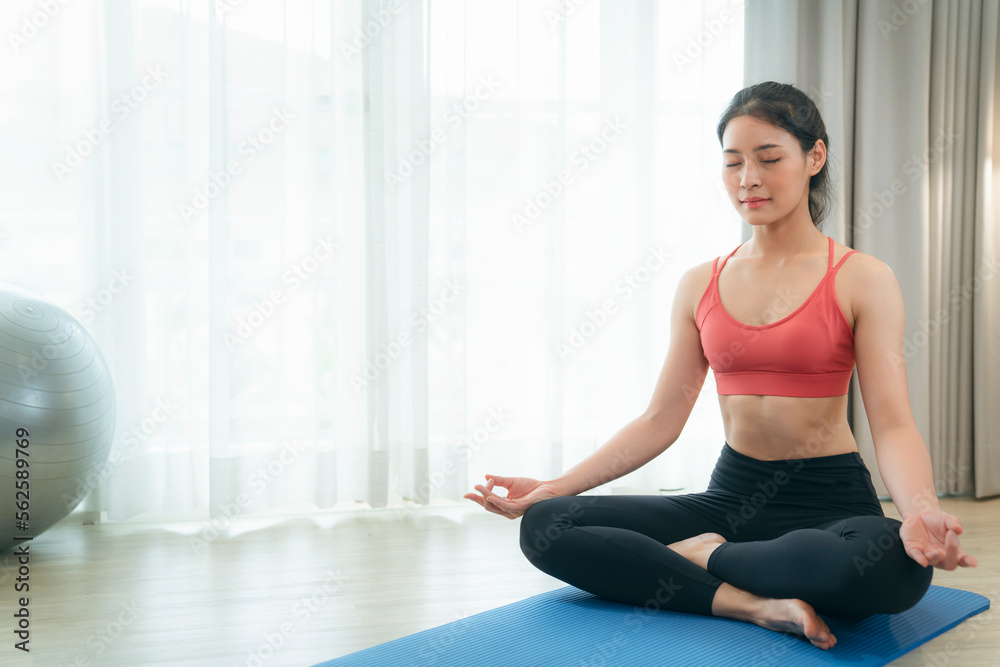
[645,437]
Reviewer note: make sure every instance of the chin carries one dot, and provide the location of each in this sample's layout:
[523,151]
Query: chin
[754,220]
[759,218]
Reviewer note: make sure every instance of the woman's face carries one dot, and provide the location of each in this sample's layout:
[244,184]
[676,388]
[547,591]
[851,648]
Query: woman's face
[765,171]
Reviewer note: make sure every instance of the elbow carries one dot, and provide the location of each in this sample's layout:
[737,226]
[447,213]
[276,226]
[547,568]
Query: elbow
[903,433]
[662,428]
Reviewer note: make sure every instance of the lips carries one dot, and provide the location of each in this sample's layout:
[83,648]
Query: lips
[755,202]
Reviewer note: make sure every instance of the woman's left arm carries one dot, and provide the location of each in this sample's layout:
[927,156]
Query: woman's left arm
[929,535]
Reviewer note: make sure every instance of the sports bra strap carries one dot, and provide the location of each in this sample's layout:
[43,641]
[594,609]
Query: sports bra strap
[716,269]
[846,255]
[727,258]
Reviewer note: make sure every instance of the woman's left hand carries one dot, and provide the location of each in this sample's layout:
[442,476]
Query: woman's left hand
[931,538]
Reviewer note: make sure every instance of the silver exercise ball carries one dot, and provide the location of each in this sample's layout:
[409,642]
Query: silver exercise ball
[57,414]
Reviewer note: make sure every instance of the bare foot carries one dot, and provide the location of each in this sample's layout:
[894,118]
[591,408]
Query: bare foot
[798,618]
[697,549]
[790,615]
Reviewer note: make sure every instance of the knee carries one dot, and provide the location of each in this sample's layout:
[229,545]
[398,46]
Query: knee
[911,587]
[888,591]
[885,579]
[542,525]
[902,582]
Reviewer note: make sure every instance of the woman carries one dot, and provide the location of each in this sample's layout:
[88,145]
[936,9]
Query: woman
[790,526]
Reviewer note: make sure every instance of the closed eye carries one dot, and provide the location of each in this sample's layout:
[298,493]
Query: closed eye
[736,164]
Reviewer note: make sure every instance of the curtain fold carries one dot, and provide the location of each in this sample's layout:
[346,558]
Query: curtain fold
[909,95]
[986,261]
[396,85]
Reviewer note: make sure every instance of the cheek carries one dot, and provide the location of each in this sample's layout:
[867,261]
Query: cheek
[789,180]
[731,179]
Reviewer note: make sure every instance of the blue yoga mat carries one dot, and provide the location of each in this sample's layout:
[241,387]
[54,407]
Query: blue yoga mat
[568,626]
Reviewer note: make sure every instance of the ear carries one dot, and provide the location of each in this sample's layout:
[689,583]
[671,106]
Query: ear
[816,158]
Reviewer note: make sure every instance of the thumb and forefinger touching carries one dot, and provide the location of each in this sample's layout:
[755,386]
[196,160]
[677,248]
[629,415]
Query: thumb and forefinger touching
[491,501]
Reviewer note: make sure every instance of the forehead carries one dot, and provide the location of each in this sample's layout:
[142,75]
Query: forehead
[744,133]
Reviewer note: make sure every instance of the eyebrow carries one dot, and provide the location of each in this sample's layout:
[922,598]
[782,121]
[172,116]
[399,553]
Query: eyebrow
[756,150]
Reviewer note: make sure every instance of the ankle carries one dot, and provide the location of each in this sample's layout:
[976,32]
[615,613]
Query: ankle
[699,549]
[732,602]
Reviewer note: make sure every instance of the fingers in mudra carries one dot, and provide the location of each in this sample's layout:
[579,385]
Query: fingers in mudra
[933,540]
[490,500]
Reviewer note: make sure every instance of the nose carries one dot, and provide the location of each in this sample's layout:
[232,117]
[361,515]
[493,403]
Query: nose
[749,178]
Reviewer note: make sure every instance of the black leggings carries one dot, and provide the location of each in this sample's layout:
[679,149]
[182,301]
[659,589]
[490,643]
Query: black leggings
[809,528]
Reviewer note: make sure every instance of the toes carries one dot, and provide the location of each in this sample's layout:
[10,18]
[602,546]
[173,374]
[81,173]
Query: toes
[813,627]
[824,638]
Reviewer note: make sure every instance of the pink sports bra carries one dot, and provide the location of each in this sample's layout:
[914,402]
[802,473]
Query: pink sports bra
[809,353]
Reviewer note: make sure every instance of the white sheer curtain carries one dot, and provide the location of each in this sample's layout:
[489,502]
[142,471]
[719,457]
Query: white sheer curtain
[352,253]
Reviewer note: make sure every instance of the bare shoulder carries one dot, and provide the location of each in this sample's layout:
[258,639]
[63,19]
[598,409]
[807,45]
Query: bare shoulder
[692,286]
[863,280]
[699,275]
[861,267]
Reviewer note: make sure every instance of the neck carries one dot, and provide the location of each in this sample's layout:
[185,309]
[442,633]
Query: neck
[786,238]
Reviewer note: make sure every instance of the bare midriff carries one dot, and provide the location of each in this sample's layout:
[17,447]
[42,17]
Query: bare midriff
[772,428]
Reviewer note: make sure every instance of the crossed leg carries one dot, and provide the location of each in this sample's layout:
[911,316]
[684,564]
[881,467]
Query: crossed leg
[781,614]
[666,553]
[848,568]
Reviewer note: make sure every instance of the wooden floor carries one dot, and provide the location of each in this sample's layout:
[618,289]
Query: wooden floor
[297,591]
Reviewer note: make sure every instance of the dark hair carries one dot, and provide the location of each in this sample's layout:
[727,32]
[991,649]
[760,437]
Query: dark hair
[790,109]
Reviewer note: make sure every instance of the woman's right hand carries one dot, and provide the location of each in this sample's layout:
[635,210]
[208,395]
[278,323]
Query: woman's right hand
[522,493]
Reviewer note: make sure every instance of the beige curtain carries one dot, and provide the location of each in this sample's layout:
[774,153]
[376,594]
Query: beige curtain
[910,93]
